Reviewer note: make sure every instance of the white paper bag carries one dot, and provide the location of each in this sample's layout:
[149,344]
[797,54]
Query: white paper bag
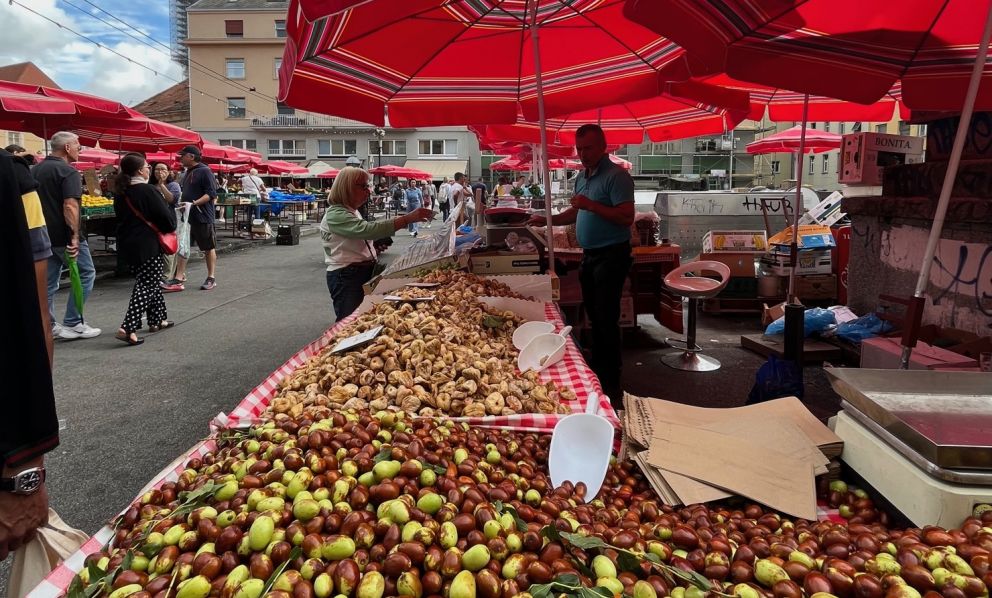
[54,542]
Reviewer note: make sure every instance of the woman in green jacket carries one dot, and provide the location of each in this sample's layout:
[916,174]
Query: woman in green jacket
[348,239]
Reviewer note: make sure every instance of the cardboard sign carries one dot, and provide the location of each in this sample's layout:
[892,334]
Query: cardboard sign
[357,340]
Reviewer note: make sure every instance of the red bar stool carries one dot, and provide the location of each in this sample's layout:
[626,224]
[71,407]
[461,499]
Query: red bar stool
[694,288]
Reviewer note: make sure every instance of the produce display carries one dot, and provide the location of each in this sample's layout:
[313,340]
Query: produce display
[353,503]
[452,355]
[95,204]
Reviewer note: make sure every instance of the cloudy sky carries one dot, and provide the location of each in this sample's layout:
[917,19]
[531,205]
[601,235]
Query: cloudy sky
[75,63]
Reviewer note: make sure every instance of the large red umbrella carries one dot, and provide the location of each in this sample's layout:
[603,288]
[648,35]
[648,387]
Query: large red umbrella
[136,134]
[420,58]
[850,49]
[411,173]
[511,164]
[330,173]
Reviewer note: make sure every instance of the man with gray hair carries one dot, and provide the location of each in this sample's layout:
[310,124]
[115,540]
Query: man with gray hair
[60,187]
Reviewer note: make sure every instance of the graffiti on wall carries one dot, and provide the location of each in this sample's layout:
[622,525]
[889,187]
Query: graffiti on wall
[960,289]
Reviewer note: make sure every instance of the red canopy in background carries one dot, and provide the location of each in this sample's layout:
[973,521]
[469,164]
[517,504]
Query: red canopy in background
[855,50]
[136,133]
[98,156]
[385,170]
[411,173]
[211,152]
[420,58]
[230,168]
[330,173]
[279,167]
[789,140]
[81,166]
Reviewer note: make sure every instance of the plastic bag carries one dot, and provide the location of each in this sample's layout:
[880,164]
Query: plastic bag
[815,319]
[775,379]
[182,230]
[864,327]
[54,542]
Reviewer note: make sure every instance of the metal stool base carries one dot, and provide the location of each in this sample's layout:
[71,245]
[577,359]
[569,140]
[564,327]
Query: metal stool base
[691,362]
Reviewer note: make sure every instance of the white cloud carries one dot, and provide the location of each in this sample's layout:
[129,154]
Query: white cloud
[75,63]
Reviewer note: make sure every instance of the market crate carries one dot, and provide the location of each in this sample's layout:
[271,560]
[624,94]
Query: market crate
[98,210]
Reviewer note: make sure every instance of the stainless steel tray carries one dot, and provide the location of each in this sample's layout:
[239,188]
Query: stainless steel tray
[946,417]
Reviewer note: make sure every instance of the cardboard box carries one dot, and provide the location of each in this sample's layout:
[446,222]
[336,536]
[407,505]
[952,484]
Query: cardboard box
[885,353]
[865,155]
[505,262]
[841,255]
[740,264]
[735,241]
[628,317]
[826,213]
[815,261]
[811,236]
[770,314]
[816,286]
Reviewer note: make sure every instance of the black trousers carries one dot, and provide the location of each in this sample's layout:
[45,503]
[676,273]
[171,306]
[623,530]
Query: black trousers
[146,296]
[602,277]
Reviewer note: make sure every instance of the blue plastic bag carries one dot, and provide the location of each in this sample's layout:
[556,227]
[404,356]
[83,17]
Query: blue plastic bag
[775,379]
[815,319]
[864,327]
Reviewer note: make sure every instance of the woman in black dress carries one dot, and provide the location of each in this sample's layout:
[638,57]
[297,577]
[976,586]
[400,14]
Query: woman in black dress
[142,214]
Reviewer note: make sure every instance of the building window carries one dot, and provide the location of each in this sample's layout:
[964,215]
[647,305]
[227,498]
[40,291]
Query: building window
[841,127]
[282,109]
[705,145]
[903,128]
[288,148]
[826,127]
[280,28]
[826,164]
[390,147]
[880,128]
[438,147]
[277,64]
[234,28]
[812,125]
[776,166]
[336,147]
[236,107]
[235,68]
[245,144]
[666,148]
[14,137]
[811,161]
[856,128]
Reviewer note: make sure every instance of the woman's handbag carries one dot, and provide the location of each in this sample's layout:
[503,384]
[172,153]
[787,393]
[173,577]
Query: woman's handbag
[169,242]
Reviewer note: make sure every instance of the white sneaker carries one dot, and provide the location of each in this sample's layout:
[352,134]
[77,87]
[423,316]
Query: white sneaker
[57,330]
[81,330]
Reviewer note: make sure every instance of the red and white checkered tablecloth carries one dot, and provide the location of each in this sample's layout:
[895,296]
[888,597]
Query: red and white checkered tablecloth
[57,582]
[571,372]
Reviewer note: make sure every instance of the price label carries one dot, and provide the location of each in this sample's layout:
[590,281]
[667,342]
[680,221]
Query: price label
[357,340]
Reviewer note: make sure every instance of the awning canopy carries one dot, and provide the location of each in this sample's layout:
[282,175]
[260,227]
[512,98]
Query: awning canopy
[438,169]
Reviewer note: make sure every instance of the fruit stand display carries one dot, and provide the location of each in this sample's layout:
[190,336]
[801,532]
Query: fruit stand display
[351,483]
[94,205]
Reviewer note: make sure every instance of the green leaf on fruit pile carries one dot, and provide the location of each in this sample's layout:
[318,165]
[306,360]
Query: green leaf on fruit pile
[75,589]
[551,533]
[435,468]
[517,519]
[491,321]
[628,562]
[385,454]
[584,542]
[570,579]
[150,550]
[293,554]
[597,592]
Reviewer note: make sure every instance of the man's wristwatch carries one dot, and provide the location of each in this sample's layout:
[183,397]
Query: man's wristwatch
[25,482]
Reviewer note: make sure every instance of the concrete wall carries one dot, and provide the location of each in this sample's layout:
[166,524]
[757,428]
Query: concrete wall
[886,254]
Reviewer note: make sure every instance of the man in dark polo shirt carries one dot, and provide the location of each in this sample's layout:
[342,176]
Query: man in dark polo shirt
[60,187]
[602,211]
[30,424]
[199,189]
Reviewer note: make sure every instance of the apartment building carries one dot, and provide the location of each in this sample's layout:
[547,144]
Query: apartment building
[24,72]
[235,51]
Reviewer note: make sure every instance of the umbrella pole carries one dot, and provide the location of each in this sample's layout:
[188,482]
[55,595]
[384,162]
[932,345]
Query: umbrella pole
[915,310]
[546,176]
[794,312]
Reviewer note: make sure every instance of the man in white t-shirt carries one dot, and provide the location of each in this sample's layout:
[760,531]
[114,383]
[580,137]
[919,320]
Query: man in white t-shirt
[444,198]
[252,183]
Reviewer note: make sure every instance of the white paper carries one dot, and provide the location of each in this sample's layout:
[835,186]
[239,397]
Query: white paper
[423,285]
[357,340]
[408,300]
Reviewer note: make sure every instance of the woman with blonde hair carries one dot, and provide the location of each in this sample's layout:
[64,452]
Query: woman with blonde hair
[348,239]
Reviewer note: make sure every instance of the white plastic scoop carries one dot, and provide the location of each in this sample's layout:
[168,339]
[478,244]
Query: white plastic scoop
[581,446]
[526,332]
[544,350]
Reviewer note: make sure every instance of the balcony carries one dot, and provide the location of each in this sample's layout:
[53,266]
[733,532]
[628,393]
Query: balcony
[306,120]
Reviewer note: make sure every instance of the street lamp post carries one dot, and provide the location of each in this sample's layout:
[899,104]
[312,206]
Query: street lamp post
[379,134]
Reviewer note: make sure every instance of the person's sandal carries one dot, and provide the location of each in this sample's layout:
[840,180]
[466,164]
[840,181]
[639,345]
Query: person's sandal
[161,326]
[131,339]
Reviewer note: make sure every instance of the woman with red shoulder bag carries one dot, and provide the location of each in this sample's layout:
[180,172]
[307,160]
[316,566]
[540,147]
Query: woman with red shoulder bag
[145,233]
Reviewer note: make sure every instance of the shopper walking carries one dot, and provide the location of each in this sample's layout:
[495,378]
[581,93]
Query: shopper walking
[349,240]
[198,189]
[602,210]
[60,187]
[461,194]
[143,214]
[444,197]
[414,201]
